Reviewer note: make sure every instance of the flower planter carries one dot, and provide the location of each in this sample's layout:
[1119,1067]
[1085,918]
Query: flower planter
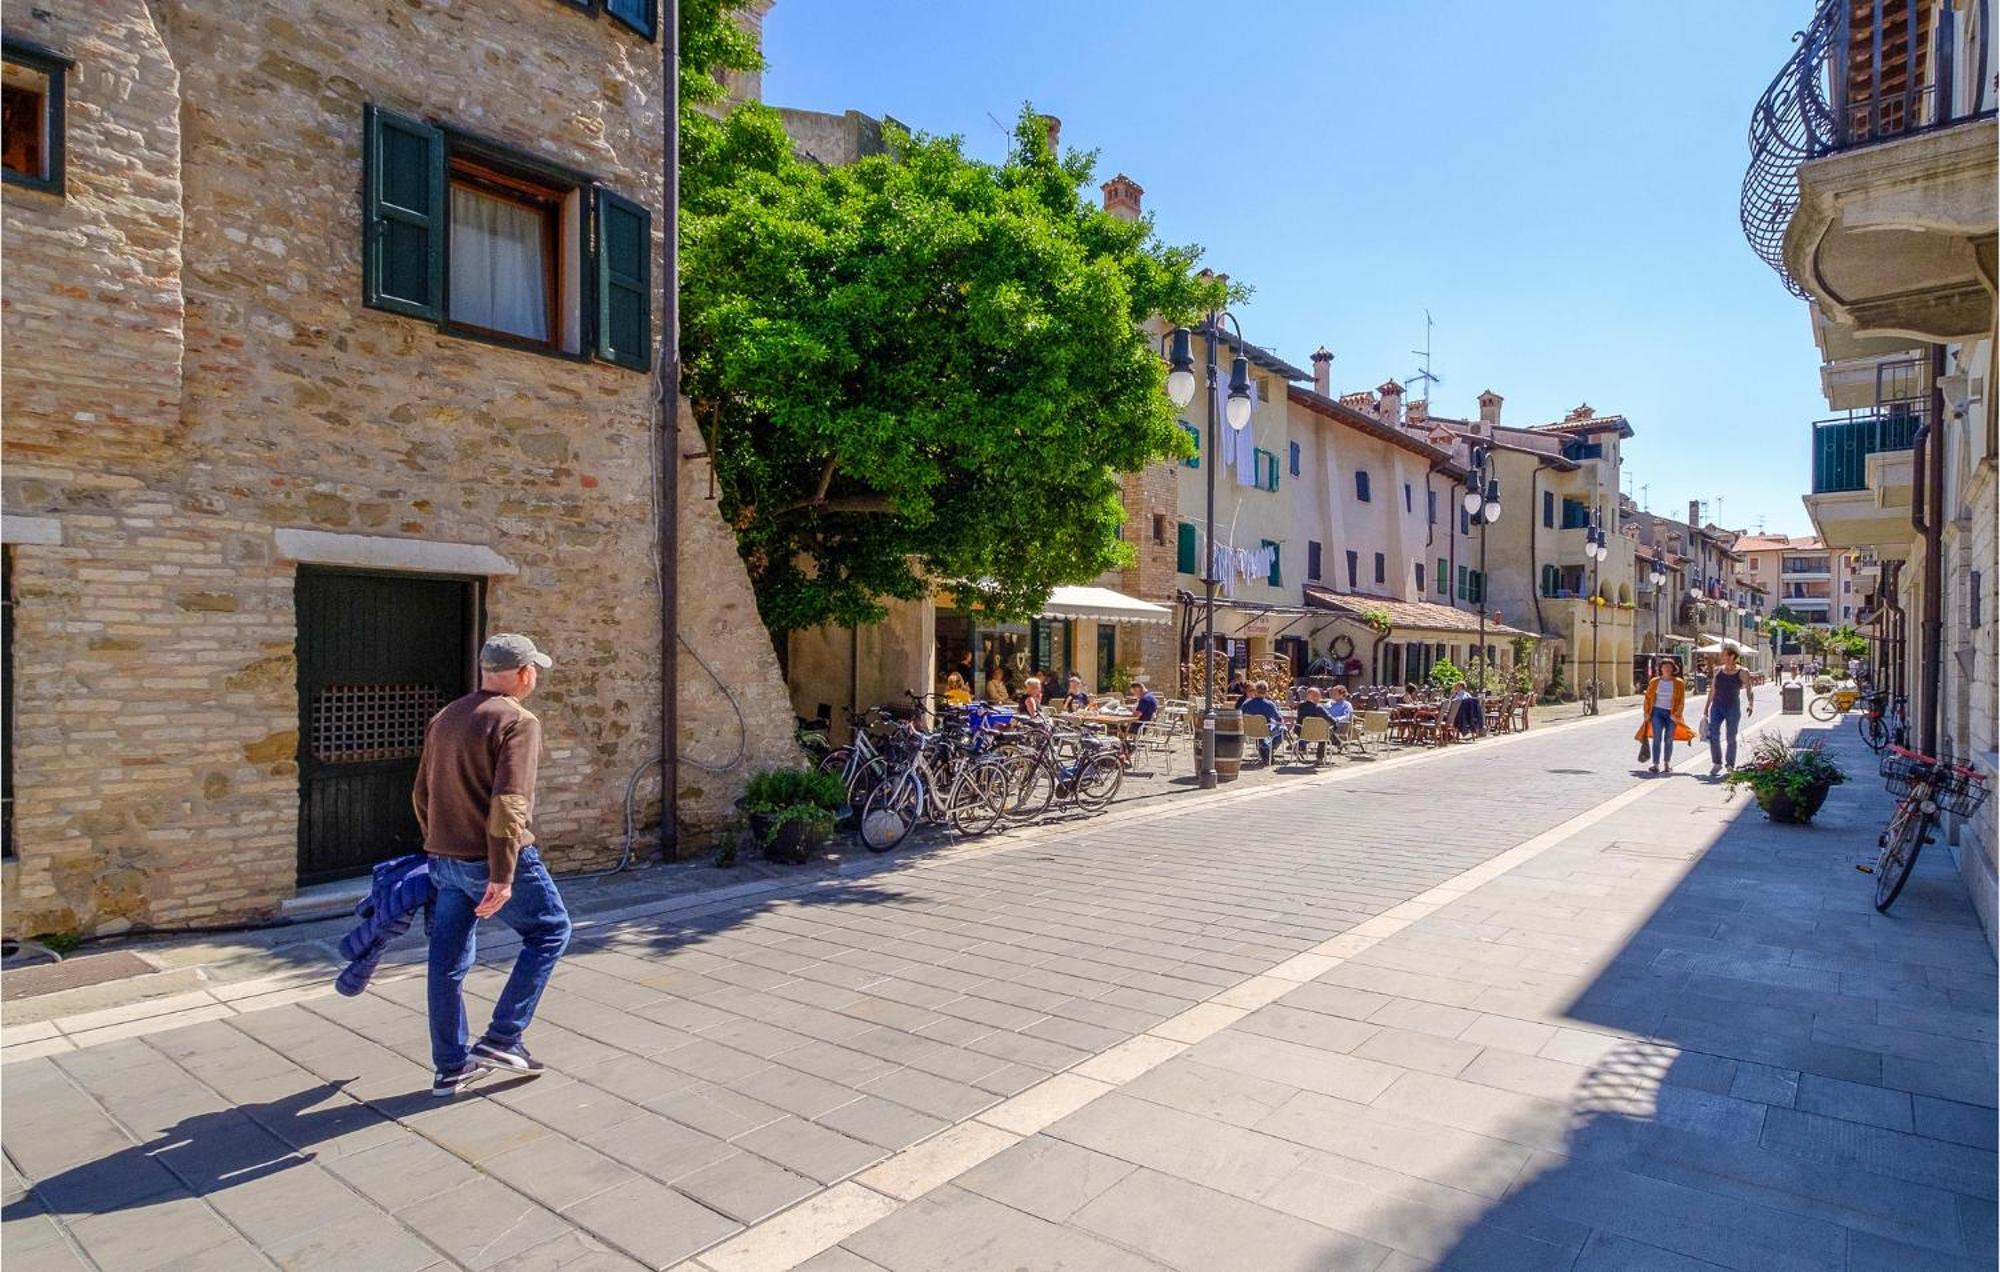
[1779,805]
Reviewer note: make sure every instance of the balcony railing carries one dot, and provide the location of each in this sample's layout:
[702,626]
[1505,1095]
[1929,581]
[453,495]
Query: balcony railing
[1841,447]
[1864,71]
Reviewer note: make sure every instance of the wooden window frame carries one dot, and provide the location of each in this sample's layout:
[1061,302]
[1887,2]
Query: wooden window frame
[480,174]
[55,159]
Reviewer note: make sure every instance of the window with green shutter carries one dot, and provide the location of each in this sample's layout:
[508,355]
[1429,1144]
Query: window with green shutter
[1444,577]
[1266,468]
[624,282]
[403,255]
[1464,583]
[637,14]
[1185,549]
[1276,578]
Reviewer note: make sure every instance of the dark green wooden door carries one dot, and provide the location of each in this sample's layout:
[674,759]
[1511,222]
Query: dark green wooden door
[378,654]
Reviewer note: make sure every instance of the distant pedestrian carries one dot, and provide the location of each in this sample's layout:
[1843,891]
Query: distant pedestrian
[1731,696]
[475,802]
[1664,701]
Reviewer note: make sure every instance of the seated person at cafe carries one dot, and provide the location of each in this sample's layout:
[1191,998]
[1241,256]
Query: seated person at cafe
[1314,709]
[1258,702]
[955,692]
[1146,706]
[1078,698]
[1031,697]
[997,692]
[1338,708]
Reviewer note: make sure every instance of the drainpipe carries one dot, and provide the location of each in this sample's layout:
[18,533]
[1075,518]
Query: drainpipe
[670,431]
[1930,461]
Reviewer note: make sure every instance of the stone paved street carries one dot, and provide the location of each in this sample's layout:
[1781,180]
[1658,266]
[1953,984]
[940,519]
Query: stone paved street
[1502,1006]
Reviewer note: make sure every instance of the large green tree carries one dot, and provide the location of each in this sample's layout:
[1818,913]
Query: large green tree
[920,367]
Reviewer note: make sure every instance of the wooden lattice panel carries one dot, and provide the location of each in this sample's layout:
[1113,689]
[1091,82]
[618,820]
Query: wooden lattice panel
[352,724]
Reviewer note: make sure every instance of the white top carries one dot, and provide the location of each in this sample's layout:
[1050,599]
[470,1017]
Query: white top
[1663,697]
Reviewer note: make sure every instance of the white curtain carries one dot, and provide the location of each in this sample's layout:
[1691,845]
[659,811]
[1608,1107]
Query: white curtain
[498,275]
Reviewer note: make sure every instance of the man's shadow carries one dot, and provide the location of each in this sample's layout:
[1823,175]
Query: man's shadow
[210,1152]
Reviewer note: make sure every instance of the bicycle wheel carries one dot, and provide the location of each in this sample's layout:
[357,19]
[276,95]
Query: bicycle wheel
[1873,731]
[1821,708]
[1097,782]
[1900,845]
[1031,787]
[977,802]
[891,813]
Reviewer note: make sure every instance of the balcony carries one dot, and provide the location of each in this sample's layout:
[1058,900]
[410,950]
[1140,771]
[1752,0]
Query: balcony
[1872,170]
[1841,447]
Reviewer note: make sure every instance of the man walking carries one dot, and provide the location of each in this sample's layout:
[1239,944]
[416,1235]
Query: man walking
[475,802]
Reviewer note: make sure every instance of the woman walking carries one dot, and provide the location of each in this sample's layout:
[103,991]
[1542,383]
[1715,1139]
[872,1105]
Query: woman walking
[1665,699]
[1731,696]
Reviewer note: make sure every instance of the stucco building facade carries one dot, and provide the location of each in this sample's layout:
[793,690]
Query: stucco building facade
[326,358]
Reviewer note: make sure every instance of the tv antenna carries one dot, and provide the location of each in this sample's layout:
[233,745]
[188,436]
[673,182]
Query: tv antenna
[1423,375]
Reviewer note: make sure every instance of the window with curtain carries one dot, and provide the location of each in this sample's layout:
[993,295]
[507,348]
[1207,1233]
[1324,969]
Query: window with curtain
[502,258]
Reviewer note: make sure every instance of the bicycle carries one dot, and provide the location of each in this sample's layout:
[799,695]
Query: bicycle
[1925,787]
[859,765]
[1881,720]
[1046,766]
[950,776]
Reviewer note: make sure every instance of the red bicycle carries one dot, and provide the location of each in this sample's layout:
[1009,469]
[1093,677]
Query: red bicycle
[1925,786]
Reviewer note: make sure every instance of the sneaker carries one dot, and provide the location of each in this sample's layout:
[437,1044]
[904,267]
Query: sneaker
[1652,768]
[449,1082]
[1715,770]
[513,1057]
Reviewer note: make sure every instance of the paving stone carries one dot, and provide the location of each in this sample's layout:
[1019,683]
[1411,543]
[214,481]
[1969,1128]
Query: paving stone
[1231,1158]
[481,1222]
[1197,1229]
[1304,1067]
[1855,1102]
[745,1187]
[1902,1156]
[401,1172]
[838,1259]
[1047,1177]
[1950,1120]
[793,1091]
[809,1149]
[1479,1164]
[952,1230]
[880,1122]
[939,1097]
[269,1208]
[556,1171]
[658,1146]
[716,1110]
[374,1243]
[650,1221]
[151,1233]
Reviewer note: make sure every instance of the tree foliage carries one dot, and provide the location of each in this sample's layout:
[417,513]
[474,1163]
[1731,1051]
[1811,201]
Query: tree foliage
[920,367]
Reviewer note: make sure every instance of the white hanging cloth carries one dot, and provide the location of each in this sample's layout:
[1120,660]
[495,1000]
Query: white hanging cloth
[1239,446]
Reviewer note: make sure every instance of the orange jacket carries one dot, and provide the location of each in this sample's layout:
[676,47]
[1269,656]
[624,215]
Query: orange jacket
[1681,731]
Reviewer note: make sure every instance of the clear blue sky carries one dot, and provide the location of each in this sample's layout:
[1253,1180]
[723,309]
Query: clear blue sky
[1557,184]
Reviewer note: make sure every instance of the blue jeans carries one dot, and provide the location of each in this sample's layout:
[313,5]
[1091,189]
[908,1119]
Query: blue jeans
[1718,717]
[1663,735]
[535,910]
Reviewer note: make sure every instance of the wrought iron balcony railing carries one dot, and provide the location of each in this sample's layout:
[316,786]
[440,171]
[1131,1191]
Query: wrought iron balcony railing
[1864,72]
[1841,447]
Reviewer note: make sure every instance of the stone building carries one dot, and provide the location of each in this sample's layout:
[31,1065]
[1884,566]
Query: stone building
[330,327]
[1884,222]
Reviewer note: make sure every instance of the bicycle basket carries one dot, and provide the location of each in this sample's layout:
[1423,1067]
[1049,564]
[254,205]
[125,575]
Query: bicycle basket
[1960,792]
[1899,771]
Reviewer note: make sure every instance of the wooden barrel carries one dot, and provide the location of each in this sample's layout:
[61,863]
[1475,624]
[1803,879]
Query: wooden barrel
[1228,744]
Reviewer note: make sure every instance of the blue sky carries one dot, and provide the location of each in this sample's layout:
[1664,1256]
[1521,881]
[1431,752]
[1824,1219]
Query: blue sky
[1557,184]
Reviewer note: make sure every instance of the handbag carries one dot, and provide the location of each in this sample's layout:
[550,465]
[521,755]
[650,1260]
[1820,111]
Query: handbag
[1704,726]
[1645,751]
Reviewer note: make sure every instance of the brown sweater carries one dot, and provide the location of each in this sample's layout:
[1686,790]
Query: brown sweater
[475,791]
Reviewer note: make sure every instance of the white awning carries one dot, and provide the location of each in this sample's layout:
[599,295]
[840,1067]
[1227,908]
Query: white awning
[1103,605]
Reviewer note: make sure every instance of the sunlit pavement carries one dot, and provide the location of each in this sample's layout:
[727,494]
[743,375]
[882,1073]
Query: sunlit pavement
[1512,1005]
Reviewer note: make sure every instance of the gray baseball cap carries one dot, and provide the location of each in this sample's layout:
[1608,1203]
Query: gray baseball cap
[508,651]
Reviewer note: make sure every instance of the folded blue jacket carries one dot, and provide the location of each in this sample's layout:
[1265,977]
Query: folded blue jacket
[401,887]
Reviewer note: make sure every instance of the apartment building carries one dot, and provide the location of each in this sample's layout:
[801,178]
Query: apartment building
[1871,192]
[326,359]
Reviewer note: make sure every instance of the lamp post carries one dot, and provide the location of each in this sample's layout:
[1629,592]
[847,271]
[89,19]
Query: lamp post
[1597,549]
[1482,504]
[1180,391]
[1658,578]
[1695,595]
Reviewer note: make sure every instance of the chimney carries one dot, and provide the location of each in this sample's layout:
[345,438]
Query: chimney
[1420,415]
[1052,127]
[1489,407]
[1392,403]
[1323,371]
[1121,197]
[1694,513]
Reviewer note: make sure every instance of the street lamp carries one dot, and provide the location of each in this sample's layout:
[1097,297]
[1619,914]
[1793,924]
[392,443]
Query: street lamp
[1482,504]
[1658,578]
[1180,391]
[1596,548]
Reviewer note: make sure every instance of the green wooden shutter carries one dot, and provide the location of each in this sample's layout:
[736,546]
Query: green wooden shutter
[1184,553]
[1444,577]
[637,14]
[1276,578]
[624,282]
[402,248]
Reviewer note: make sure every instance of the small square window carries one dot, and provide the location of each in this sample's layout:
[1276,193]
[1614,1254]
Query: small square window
[507,268]
[1159,528]
[31,117]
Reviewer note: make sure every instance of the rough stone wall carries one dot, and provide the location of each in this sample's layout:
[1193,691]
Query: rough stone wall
[157,705]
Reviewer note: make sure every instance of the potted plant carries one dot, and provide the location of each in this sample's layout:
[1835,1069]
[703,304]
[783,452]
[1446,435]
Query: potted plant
[1790,782]
[792,810]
